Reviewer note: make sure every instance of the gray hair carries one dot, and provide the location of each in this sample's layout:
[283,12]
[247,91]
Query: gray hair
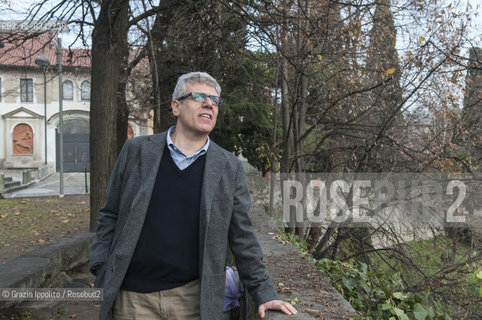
[191,78]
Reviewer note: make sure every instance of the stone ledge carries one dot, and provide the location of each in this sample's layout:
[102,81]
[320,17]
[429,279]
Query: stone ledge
[39,268]
[298,276]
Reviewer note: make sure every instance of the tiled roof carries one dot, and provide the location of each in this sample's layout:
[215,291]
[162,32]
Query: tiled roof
[21,49]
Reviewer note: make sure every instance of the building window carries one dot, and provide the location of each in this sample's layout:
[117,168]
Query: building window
[85,90]
[26,90]
[68,90]
[22,139]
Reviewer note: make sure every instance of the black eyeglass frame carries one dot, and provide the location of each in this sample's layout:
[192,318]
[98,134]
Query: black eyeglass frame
[212,98]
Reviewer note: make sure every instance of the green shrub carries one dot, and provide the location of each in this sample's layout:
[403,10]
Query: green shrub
[378,296]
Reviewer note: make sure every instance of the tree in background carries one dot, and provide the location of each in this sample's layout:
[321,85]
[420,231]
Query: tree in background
[210,37]
[383,120]
[472,111]
[109,40]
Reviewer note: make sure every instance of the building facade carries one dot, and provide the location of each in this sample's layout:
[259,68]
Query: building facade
[29,118]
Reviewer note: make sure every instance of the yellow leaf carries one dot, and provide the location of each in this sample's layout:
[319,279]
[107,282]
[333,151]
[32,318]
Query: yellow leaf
[41,241]
[421,39]
[389,71]
[66,221]
[3,216]
[18,213]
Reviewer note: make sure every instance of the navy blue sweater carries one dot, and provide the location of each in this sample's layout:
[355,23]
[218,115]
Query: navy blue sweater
[167,253]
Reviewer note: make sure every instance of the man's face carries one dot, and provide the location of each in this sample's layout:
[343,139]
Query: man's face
[198,118]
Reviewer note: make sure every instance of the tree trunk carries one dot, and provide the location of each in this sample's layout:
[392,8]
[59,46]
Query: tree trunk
[122,110]
[108,41]
[273,159]
[285,118]
[161,76]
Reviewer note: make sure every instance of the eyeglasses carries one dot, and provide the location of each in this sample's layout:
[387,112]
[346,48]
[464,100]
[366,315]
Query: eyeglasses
[201,97]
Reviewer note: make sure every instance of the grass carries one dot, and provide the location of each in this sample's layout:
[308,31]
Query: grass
[23,316]
[29,223]
[431,257]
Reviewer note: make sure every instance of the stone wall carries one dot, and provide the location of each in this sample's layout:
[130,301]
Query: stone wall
[295,278]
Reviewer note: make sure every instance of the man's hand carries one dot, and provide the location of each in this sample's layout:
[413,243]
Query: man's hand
[276,305]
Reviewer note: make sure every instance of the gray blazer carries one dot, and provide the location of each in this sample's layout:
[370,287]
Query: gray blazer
[224,220]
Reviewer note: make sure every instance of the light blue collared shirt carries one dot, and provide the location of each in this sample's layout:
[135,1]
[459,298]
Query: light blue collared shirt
[180,159]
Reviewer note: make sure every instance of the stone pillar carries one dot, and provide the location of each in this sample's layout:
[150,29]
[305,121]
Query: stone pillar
[26,176]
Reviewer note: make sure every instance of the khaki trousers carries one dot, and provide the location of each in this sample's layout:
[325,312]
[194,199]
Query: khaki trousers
[181,303]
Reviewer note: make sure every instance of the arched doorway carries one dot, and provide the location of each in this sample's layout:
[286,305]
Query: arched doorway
[76,145]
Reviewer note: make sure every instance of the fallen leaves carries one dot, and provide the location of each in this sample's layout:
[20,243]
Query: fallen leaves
[30,223]
[313,311]
[389,71]
[280,239]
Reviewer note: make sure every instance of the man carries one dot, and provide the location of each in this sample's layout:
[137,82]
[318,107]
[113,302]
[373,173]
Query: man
[175,202]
